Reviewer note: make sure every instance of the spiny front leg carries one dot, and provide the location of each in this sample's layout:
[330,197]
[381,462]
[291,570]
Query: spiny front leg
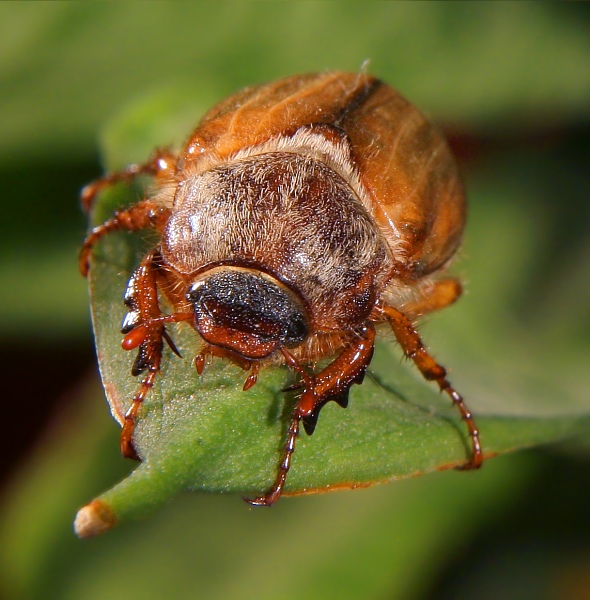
[144,326]
[412,345]
[161,163]
[332,383]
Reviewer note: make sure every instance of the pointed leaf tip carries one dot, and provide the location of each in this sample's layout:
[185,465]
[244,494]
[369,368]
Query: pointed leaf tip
[93,519]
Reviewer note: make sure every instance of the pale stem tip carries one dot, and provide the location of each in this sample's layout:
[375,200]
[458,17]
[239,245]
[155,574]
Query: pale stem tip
[93,519]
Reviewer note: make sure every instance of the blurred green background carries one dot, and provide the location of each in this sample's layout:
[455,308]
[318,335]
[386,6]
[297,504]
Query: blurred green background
[510,84]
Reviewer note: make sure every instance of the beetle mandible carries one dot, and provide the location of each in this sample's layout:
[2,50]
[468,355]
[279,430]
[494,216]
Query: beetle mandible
[298,216]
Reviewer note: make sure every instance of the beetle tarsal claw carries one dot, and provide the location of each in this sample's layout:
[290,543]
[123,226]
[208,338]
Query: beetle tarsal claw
[171,343]
[259,501]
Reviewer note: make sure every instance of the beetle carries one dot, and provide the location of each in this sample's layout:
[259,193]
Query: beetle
[297,217]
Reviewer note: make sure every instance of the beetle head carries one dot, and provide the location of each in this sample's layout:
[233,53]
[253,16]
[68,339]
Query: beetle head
[247,311]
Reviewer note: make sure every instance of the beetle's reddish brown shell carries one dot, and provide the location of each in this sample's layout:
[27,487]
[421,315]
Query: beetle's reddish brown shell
[403,162]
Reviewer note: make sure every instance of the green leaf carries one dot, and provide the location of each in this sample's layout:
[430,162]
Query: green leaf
[386,541]
[204,433]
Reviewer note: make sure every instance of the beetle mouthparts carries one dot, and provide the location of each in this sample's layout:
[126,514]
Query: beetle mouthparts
[248,312]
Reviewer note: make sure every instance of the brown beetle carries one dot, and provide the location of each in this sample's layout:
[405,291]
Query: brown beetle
[298,215]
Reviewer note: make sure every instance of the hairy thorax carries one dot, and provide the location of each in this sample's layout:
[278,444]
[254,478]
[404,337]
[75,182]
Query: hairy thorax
[291,216]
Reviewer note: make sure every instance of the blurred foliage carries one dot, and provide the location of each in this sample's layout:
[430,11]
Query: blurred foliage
[502,72]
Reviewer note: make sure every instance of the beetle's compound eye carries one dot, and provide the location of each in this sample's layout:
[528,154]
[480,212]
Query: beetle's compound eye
[247,312]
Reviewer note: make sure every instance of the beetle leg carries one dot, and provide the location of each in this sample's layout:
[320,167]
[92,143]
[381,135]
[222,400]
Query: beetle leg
[201,359]
[161,162]
[412,345]
[248,365]
[141,298]
[142,215]
[144,327]
[253,377]
[244,363]
[332,383]
[439,295]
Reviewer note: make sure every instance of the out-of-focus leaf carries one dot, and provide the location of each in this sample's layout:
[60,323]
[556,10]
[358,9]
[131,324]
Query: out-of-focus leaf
[42,293]
[84,60]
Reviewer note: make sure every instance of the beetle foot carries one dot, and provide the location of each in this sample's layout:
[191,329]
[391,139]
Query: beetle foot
[266,500]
